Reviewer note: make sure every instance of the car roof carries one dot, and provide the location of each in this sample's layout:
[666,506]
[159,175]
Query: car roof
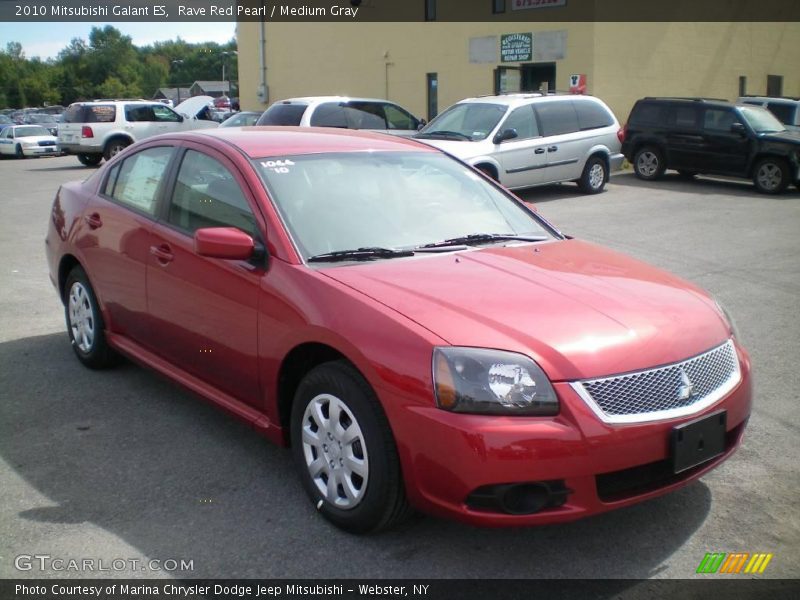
[696,101]
[321,99]
[259,142]
[516,99]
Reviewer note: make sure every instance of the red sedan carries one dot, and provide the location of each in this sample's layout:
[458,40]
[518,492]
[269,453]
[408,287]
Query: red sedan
[416,334]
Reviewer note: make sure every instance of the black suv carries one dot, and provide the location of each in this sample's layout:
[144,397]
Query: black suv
[695,135]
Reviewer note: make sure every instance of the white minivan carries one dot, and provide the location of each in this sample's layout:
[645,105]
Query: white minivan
[524,140]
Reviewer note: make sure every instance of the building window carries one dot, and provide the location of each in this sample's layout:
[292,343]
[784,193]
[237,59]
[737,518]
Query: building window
[774,85]
[430,10]
[433,95]
[498,6]
[742,85]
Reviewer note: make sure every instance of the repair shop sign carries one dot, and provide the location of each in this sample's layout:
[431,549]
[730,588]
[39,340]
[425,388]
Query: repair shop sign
[516,47]
[577,84]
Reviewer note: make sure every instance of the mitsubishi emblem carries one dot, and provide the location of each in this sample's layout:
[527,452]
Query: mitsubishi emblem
[686,389]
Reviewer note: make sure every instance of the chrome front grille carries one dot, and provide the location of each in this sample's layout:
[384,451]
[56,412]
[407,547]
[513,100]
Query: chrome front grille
[665,392]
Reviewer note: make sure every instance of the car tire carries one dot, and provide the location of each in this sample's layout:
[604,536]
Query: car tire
[345,452]
[648,163]
[18,153]
[90,160]
[594,177]
[771,175]
[114,147]
[85,324]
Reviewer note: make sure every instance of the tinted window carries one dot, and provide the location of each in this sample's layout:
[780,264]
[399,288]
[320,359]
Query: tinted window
[684,116]
[365,115]
[592,115]
[95,113]
[330,114]
[557,117]
[718,119]
[784,112]
[207,195]
[283,114]
[397,118]
[140,177]
[523,120]
[137,112]
[649,112]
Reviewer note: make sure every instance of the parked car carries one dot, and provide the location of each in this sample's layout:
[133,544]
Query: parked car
[343,112]
[523,140]
[96,130]
[5,121]
[417,334]
[22,141]
[702,136]
[241,119]
[223,102]
[787,110]
[48,121]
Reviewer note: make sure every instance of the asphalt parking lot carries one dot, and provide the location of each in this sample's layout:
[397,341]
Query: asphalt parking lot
[123,464]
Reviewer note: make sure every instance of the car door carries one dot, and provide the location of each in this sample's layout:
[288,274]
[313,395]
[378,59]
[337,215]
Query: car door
[524,157]
[114,237]
[685,143]
[140,121]
[564,146]
[204,310]
[165,119]
[724,150]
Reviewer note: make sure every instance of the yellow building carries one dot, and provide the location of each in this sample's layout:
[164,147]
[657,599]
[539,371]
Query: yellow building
[428,65]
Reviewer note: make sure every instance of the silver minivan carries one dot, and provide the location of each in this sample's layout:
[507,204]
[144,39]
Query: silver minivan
[524,140]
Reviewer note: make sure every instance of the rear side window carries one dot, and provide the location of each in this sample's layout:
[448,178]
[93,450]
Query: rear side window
[330,114]
[282,114]
[557,117]
[649,113]
[592,115]
[139,177]
[94,113]
[522,119]
[684,116]
[784,112]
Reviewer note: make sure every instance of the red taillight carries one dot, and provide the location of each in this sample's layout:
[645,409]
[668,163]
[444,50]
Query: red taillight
[86,131]
[622,132]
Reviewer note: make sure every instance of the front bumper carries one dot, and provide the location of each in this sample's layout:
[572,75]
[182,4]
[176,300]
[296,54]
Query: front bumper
[446,457]
[41,150]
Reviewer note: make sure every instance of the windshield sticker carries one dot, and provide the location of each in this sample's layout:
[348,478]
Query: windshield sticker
[278,166]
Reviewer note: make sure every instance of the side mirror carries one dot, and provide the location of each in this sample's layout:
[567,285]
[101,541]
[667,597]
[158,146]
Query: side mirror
[421,123]
[223,242]
[738,128]
[506,134]
[180,118]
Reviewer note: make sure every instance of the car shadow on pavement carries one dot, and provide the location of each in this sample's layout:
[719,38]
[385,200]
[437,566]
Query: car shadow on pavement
[673,182]
[128,452]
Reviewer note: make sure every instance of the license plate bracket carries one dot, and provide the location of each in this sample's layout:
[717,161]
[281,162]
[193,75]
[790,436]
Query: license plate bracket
[698,441]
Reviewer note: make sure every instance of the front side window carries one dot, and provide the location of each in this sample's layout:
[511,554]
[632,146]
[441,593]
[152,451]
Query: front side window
[397,118]
[365,115]
[523,121]
[468,121]
[557,118]
[164,114]
[398,200]
[136,113]
[207,195]
[139,179]
[718,120]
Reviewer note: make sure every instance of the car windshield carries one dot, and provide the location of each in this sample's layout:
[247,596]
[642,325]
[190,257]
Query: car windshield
[33,130]
[468,122]
[388,200]
[761,120]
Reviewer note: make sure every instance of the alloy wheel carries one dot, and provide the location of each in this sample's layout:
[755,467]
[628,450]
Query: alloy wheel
[647,164]
[769,176]
[81,317]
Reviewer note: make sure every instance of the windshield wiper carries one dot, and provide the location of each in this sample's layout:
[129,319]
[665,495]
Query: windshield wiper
[485,238]
[371,253]
[444,133]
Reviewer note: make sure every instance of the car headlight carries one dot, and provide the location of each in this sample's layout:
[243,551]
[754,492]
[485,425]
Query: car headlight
[494,382]
[727,316]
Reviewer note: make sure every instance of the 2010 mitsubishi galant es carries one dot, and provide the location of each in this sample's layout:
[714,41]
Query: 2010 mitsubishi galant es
[418,336]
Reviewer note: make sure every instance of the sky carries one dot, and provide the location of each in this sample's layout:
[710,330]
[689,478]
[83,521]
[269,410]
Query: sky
[46,40]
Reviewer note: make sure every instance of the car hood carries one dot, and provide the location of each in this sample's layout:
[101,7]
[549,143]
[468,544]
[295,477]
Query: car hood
[191,107]
[463,149]
[790,136]
[579,310]
[32,139]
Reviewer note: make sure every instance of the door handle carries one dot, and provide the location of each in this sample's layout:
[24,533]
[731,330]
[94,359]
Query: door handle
[553,149]
[539,151]
[93,221]
[163,253]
